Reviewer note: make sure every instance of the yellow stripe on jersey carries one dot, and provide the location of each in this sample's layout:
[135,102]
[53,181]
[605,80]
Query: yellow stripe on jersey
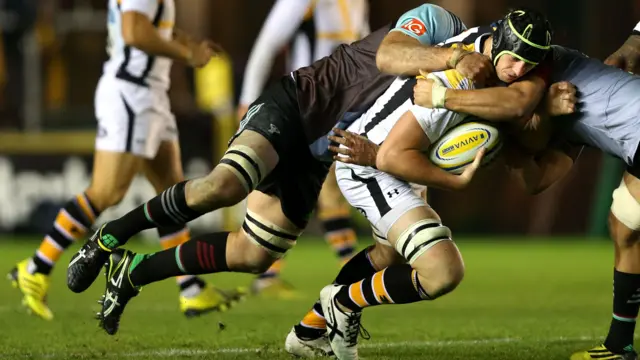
[466,47]
[164,24]
[454,78]
[345,14]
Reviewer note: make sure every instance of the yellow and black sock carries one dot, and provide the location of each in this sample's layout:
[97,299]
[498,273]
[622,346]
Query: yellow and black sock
[72,223]
[170,237]
[313,325]
[397,284]
[339,233]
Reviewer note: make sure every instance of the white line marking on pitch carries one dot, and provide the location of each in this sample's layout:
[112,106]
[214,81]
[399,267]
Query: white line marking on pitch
[174,352]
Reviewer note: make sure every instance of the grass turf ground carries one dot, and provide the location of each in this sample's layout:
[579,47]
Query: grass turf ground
[519,300]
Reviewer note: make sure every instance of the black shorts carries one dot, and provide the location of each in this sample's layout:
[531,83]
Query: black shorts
[635,169]
[297,178]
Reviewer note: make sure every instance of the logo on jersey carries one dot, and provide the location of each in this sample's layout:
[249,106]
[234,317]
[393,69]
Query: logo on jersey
[415,26]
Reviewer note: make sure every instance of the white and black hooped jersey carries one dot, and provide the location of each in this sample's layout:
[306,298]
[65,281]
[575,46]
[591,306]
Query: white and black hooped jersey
[128,63]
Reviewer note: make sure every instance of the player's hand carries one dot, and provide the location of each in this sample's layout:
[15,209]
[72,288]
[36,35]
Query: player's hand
[201,53]
[478,68]
[422,93]
[465,178]
[627,57]
[561,98]
[358,149]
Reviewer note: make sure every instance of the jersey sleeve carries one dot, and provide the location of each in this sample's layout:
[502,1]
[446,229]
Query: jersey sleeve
[147,7]
[281,24]
[430,24]
[636,30]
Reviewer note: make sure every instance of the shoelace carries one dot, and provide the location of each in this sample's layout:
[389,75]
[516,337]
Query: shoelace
[355,328]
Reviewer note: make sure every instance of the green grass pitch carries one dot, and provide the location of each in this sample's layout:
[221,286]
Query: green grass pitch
[519,300]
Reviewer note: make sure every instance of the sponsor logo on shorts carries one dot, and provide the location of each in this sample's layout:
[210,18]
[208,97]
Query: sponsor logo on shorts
[416,26]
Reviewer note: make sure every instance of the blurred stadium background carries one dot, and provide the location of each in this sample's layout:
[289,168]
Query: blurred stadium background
[51,53]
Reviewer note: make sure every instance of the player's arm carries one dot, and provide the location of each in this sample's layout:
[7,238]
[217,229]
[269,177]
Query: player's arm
[138,31]
[410,46]
[537,173]
[627,57]
[281,24]
[514,101]
[404,154]
[498,103]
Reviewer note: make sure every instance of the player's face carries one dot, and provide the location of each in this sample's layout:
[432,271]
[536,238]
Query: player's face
[509,68]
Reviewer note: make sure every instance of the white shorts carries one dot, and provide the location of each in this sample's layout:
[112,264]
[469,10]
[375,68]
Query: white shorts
[132,118]
[380,197]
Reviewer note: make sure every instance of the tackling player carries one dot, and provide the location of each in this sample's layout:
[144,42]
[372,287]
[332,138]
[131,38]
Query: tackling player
[330,23]
[136,133]
[273,153]
[607,120]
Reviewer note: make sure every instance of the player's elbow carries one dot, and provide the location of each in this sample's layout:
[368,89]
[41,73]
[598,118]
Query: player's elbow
[382,159]
[383,60]
[133,29]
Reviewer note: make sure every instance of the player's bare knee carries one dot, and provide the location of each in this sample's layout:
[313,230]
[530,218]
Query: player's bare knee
[105,197]
[244,255]
[428,248]
[266,241]
[382,256]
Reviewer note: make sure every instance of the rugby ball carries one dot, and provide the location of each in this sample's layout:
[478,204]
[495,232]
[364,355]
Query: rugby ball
[459,145]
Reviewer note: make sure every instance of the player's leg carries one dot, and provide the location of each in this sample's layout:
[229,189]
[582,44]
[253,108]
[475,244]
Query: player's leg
[276,215]
[624,228]
[402,217]
[434,268]
[112,175]
[242,167]
[196,297]
[333,212]
[265,236]
[115,163]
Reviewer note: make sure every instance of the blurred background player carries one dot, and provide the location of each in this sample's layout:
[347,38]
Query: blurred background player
[136,133]
[313,29]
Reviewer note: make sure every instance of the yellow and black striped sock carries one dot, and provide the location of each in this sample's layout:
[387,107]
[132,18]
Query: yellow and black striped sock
[339,233]
[313,325]
[397,284]
[170,237]
[72,223]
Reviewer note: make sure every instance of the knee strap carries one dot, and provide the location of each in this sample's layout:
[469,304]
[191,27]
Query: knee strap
[625,207]
[420,237]
[245,164]
[275,240]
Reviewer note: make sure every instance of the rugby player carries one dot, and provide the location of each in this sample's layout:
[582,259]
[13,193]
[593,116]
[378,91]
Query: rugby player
[314,28]
[273,153]
[136,133]
[429,264]
[607,120]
